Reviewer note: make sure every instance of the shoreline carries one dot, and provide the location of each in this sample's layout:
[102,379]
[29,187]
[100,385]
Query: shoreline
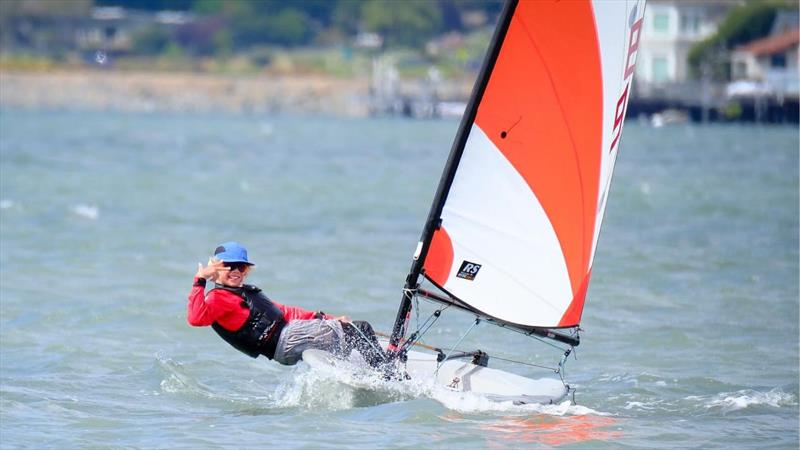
[269,93]
[184,92]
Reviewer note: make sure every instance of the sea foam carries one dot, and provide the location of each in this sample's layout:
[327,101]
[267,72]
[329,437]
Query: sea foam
[311,387]
[91,212]
[735,401]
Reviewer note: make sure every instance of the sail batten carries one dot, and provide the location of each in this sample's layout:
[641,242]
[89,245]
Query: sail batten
[514,226]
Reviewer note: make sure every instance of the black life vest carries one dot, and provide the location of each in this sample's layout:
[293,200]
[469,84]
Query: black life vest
[259,334]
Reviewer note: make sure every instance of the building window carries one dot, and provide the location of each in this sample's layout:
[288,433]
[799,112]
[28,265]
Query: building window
[778,60]
[661,22]
[739,70]
[690,24]
[660,69]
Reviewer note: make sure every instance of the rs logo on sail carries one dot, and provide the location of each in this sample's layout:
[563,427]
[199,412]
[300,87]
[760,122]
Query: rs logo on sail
[468,270]
[630,63]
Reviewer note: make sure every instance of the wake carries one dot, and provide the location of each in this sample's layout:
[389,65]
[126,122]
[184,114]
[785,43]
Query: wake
[336,389]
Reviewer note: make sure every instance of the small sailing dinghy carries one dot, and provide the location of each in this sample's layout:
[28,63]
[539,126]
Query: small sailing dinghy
[513,229]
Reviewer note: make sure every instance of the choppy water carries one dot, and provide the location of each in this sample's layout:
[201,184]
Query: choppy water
[691,325]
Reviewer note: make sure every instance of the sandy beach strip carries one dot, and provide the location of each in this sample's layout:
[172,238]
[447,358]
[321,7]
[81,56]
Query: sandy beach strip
[183,92]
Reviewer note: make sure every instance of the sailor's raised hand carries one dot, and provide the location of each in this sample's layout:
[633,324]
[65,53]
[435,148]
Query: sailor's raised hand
[211,271]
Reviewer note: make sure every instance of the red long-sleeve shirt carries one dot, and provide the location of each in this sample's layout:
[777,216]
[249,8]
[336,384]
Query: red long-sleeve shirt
[225,308]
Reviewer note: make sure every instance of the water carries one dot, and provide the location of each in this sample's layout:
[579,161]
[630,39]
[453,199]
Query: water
[691,325]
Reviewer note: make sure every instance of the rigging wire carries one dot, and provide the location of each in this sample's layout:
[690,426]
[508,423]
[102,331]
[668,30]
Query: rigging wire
[539,366]
[416,336]
[531,336]
[416,310]
[499,358]
[427,325]
[439,364]
[500,325]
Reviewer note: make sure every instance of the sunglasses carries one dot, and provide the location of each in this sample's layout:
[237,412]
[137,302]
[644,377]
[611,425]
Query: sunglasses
[241,267]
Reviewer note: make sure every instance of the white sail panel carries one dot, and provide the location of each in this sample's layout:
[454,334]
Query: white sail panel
[509,211]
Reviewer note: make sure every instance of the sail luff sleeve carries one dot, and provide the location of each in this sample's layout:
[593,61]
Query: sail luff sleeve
[457,149]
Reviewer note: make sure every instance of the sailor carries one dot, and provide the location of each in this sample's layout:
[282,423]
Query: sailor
[246,318]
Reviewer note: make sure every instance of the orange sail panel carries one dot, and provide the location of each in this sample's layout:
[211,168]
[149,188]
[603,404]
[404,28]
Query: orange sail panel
[524,209]
[440,257]
[550,127]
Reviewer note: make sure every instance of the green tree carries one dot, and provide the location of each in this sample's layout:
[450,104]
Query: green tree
[254,23]
[73,8]
[150,41]
[408,23]
[346,16]
[223,42]
[288,27]
[744,23]
[150,5]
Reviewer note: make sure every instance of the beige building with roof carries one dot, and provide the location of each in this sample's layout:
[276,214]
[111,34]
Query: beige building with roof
[671,28]
[771,62]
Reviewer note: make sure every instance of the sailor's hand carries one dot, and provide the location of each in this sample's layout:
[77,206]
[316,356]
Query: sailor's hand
[211,271]
[343,319]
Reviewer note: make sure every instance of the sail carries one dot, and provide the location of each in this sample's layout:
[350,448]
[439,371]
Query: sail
[518,213]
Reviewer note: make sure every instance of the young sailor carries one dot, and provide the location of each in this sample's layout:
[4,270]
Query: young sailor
[247,319]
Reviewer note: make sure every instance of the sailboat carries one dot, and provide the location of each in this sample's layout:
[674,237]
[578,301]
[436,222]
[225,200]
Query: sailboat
[514,225]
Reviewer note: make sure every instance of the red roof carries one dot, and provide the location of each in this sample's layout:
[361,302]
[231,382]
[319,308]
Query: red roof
[772,44]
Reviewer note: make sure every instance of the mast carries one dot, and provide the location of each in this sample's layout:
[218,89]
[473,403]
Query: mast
[433,221]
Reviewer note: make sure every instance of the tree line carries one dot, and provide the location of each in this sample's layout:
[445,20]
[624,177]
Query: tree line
[234,25]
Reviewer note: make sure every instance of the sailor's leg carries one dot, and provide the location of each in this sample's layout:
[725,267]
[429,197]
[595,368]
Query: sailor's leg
[360,336]
[301,335]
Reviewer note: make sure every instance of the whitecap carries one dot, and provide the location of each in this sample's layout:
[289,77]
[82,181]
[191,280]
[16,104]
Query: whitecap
[6,203]
[734,401]
[311,388]
[91,212]
[637,405]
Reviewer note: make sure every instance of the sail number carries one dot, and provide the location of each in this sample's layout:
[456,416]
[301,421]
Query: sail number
[630,64]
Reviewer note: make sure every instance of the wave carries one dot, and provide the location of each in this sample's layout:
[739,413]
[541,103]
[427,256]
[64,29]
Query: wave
[735,401]
[656,394]
[175,379]
[313,388]
[91,212]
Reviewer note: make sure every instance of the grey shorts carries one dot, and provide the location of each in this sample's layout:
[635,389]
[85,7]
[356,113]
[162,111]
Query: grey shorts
[300,335]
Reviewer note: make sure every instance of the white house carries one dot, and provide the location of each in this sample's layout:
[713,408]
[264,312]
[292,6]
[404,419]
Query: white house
[769,63]
[670,30]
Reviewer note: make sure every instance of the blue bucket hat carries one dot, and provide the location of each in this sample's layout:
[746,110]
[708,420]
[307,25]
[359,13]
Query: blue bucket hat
[232,252]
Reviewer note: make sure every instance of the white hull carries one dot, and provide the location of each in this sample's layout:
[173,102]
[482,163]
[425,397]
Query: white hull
[459,376]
